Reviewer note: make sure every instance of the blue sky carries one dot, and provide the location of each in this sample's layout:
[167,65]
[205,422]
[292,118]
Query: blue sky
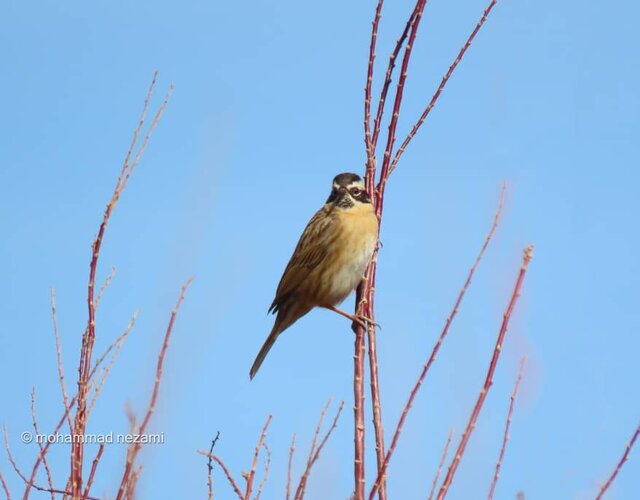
[267,109]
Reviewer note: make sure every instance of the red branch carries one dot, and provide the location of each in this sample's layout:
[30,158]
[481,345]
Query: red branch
[30,482]
[624,458]
[232,481]
[391,137]
[292,449]
[507,426]
[528,253]
[443,83]
[365,292]
[445,451]
[94,467]
[370,147]
[135,448]
[210,467]
[88,339]
[414,392]
[5,487]
[45,448]
[267,466]
[358,410]
[251,475]
[314,453]
[387,78]
[36,429]
[63,385]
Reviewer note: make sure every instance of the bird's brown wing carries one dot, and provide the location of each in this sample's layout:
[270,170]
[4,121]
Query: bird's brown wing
[310,251]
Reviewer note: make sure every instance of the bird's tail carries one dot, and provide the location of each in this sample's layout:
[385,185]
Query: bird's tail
[288,314]
[264,350]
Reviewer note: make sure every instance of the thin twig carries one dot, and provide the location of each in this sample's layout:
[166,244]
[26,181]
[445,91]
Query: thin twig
[445,451]
[438,344]
[88,339]
[267,466]
[528,254]
[366,290]
[210,467]
[133,483]
[94,467]
[27,481]
[367,89]
[135,448]
[112,360]
[624,458]
[251,475]
[104,287]
[36,430]
[314,454]
[505,437]
[358,409]
[387,79]
[63,386]
[232,481]
[60,423]
[391,137]
[5,487]
[292,449]
[316,433]
[443,83]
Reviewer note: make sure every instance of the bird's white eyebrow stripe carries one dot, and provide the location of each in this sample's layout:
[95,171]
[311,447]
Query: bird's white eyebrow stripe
[358,184]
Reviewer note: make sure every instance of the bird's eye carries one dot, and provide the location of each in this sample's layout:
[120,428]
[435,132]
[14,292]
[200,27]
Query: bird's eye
[355,191]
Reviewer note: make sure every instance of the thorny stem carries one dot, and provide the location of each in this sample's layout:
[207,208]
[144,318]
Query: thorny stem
[505,437]
[135,448]
[624,458]
[445,451]
[443,83]
[528,254]
[438,344]
[88,339]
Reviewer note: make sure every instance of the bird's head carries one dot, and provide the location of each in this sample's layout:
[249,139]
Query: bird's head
[348,191]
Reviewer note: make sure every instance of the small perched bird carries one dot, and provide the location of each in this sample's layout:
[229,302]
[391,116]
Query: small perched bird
[329,260]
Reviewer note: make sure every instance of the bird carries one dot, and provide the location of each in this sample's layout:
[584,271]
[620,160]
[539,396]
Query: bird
[329,260]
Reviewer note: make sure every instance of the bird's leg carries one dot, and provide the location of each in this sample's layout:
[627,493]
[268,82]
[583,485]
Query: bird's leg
[361,320]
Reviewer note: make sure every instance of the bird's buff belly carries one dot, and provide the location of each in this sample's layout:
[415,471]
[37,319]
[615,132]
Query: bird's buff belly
[344,270]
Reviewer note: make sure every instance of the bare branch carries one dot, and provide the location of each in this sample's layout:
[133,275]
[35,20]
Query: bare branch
[367,89]
[267,466]
[624,458]
[210,467]
[528,254]
[390,68]
[63,386]
[30,482]
[232,481]
[445,451]
[135,448]
[104,287]
[438,344]
[505,437]
[5,487]
[94,467]
[36,430]
[443,83]
[251,475]
[88,339]
[292,449]
[314,454]
[116,347]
